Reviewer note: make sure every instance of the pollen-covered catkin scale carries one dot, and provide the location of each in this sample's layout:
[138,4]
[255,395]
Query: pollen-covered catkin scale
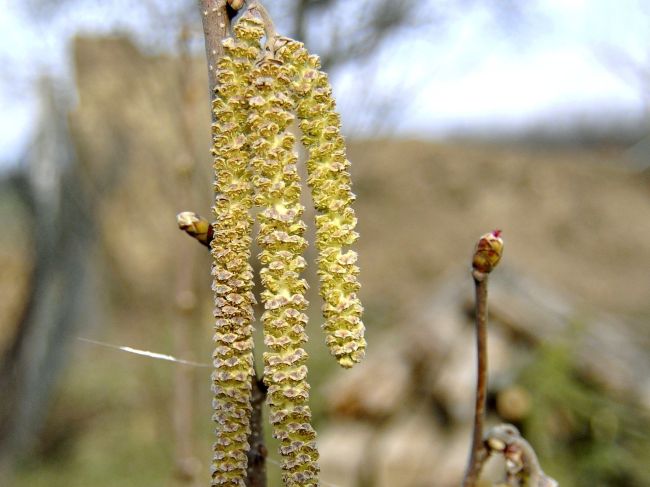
[330,183]
[231,271]
[277,193]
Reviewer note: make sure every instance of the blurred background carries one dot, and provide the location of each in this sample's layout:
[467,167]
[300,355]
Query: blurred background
[461,117]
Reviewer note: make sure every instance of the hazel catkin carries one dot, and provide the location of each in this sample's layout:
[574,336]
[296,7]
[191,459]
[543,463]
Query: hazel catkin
[230,247]
[277,193]
[330,183]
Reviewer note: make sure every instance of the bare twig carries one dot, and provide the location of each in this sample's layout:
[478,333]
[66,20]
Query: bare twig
[486,256]
[478,453]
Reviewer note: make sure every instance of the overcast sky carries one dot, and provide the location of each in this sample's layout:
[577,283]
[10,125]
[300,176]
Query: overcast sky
[566,61]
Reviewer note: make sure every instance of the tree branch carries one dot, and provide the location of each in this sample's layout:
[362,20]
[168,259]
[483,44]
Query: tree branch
[486,256]
[478,453]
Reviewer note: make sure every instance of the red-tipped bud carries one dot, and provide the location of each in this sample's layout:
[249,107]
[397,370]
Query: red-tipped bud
[487,253]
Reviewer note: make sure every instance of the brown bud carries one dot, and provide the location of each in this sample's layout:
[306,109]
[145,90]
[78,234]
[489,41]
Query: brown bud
[195,226]
[487,253]
[236,4]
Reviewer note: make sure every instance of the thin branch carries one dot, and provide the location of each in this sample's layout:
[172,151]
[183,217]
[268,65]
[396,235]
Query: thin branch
[486,256]
[478,453]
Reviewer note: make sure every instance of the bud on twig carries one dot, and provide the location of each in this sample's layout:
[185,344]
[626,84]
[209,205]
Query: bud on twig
[488,251]
[486,256]
[195,226]
[236,4]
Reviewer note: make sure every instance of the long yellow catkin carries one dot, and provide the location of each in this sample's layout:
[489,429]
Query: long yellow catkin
[232,273]
[277,192]
[255,164]
[329,180]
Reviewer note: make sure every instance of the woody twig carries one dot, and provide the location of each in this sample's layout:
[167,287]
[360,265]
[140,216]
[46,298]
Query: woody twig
[486,256]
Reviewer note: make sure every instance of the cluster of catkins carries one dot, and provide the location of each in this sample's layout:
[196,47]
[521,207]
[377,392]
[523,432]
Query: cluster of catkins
[260,93]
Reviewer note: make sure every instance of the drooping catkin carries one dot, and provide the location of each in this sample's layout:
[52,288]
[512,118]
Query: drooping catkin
[255,165]
[329,180]
[277,193]
[231,244]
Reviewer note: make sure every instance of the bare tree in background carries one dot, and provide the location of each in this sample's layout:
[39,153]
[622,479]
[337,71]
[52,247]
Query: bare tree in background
[344,31]
[366,35]
[52,188]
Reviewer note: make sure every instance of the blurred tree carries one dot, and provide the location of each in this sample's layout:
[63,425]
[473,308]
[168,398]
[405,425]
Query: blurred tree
[344,31]
[53,189]
[365,38]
